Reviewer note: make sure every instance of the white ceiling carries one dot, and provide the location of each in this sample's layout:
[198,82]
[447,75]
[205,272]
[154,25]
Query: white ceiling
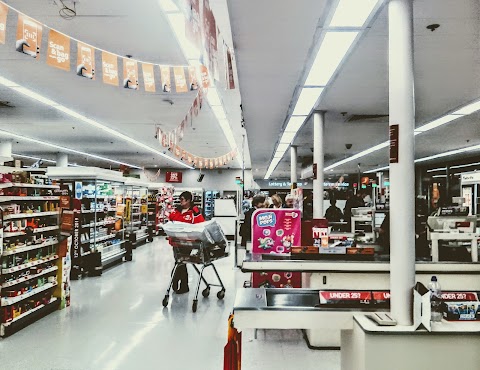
[274,41]
[122,27]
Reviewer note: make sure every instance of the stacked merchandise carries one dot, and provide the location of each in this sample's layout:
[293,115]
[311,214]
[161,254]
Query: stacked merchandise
[164,205]
[210,196]
[28,249]
[136,217]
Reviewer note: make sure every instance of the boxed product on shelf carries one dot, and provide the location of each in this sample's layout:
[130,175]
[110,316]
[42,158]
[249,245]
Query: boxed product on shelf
[461,306]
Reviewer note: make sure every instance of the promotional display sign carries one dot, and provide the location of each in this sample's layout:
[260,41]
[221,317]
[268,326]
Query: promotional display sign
[192,78]
[230,77]
[85,61]
[29,36]
[171,176]
[64,264]
[165,77]
[130,74]
[394,143]
[180,81]
[110,68]
[58,53]
[78,190]
[276,230]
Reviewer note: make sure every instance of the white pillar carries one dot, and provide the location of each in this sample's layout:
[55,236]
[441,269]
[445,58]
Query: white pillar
[5,151]
[62,160]
[402,174]
[293,166]
[318,125]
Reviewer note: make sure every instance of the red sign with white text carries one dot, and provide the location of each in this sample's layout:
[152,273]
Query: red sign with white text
[173,176]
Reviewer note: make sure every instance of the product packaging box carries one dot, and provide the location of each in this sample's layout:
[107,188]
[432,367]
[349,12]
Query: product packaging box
[277,279]
[461,306]
[345,298]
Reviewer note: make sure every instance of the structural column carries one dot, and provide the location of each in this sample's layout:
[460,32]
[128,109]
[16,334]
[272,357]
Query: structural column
[293,166]
[62,160]
[318,151]
[402,169]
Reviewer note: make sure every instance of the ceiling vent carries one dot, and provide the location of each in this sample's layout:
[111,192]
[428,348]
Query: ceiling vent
[368,117]
[6,104]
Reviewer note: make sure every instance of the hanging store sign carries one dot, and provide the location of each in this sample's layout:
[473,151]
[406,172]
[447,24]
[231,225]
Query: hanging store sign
[29,36]
[394,143]
[3,22]
[85,61]
[110,68]
[58,53]
[171,176]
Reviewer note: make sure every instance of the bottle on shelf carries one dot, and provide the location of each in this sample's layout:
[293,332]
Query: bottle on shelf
[435,300]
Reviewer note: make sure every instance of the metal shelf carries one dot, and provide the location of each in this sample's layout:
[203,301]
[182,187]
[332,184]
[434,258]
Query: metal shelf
[29,215]
[29,312]
[23,185]
[38,198]
[29,248]
[29,277]
[13,300]
[28,265]
[35,231]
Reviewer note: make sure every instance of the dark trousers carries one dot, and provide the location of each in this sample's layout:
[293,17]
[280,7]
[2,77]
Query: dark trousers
[181,275]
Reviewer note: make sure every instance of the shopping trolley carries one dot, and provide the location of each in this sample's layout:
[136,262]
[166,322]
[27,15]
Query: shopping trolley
[197,244]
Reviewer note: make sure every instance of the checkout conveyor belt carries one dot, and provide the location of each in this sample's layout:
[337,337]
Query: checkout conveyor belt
[271,308]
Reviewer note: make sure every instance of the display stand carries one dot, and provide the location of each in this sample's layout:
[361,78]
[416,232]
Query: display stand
[162,204]
[137,225]
[29,249]
[96,208]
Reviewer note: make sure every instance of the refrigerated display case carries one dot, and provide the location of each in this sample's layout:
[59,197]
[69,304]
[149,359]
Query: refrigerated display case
[137,226]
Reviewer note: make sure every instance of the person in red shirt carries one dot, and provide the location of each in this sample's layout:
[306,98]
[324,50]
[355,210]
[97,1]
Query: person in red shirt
[189,213]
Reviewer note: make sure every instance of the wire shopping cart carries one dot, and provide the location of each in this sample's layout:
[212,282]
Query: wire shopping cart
[197,244]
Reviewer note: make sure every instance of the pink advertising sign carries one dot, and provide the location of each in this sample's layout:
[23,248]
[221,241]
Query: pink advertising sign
[276,230]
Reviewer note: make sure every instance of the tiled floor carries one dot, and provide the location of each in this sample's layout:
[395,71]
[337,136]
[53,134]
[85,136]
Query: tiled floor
[117,321]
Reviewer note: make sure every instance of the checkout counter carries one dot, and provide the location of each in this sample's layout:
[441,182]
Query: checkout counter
[269,308]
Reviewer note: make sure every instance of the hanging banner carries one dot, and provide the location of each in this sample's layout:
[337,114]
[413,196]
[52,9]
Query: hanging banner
[130,74]
[148,77]
[177,151]
[201,162]
[189,158]
[180,82]
[192,23]
[195,161]
[184,154]
[58,52]
[216,162]
[210,163]
[195,107]
[171,140]
[165,78]
[110,68]
[205,78]
[85,60]
[29,36]
[164,139]
[192,78]
[3,22]
[182,130]
[230,78]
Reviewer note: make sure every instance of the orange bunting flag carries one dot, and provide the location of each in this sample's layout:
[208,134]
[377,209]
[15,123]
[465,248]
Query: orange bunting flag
[148,77]
[204,77]
[180,82]
[216,162]
[58,52]
[201,162]
[3,22]
[192,78]
[109,68]
[165,139]
[178,151]
[184,154]
[165,79]
[189,158]
[130,74]
[195,161]
[85,61]
[29,36]
[211,164]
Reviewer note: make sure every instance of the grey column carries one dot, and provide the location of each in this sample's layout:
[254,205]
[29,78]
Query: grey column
[402,180]
[318,153]
[62,160]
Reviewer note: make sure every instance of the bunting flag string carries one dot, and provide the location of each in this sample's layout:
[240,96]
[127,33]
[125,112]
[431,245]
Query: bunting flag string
[60,47]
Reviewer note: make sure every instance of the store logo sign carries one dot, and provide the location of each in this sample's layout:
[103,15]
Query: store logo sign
[173,177]
[266,219]
[78,190]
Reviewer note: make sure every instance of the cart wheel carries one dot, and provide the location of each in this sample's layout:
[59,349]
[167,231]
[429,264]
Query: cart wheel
[206,292]
[194,306]
[165,301]
[150,240]
[221,294]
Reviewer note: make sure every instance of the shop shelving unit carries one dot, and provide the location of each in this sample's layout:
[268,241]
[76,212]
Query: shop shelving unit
[137,226]
[97,202]
[28,249]
[210,196]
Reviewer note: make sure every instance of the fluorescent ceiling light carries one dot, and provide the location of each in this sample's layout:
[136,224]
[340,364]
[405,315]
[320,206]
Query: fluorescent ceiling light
[306,101]
[65,149]
[438,122]
[468,109]
[89,121]
[334,47]
[177,23]
[449,153]
[466,165]
[378,169]
[295,122]
[34,158]
[282,147]
[168,6]
[437,176]
[213,97]
[359,155]
[437,169]
[352,13]
[287,137]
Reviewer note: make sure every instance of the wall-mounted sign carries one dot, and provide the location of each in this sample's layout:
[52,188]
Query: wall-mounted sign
[393,143]
[78,190]
[173,176]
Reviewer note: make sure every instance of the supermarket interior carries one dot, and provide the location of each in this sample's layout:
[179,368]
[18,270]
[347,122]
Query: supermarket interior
[226,184]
